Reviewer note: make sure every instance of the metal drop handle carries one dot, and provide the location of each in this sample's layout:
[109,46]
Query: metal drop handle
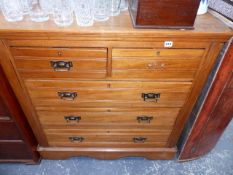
[67,95]
[76,139]
[72,119]
[61,66]
[139,139]
[151,97]
[144,119]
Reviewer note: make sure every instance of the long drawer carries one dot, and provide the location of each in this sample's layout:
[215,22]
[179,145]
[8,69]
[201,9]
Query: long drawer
[170,64]
[111,138]
[108,93]
[61,62]
[15,150]
[149,118]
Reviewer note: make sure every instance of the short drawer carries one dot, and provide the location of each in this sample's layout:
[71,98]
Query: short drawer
[180,64]
[158,118]
[60,63]
[98,138]
[9,131]
[108,94]
[59,52]
[157,53]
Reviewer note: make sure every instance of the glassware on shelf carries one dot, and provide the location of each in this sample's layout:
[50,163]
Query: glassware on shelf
[124,5]
[26,6]
[101,10]
[84,12]
[114,7]
[37,14]
[12,10]
[34,1]
[63,13]
[47,5]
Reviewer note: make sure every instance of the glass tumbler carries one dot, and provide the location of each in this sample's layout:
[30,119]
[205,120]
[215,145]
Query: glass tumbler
[124,5]
[84,12]
[63,13]
[101,10]
[26,6]
[38,14]
[48,5]
[12,10]
[114,7]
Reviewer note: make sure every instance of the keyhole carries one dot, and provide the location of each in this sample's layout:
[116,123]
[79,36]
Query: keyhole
[158,53]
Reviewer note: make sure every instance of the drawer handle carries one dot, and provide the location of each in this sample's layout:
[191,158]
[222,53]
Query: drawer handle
[61,66]
[139,139]
[151,97]
[76,139]
[144,119]
[155,66]
[72,119]
[67,95]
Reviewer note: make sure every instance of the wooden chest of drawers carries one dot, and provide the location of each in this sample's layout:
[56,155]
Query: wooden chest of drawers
[109,91]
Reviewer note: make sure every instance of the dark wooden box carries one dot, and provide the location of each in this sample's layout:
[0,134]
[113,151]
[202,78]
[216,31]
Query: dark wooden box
[178,14]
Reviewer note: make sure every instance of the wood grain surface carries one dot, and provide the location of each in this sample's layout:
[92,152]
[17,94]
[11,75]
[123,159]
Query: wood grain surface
[117,73]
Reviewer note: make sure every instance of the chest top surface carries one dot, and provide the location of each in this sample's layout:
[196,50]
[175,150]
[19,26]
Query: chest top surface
[206,26]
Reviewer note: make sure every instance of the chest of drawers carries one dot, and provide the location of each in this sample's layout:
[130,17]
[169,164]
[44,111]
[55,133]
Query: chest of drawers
[109,91]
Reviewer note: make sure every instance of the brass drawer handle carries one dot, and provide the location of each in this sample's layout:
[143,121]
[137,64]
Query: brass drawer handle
[151,97]
[151,66]
[139,139]
[76,139]
[61,66]
[155,66]
[144,119]
[67,95]
[72,119]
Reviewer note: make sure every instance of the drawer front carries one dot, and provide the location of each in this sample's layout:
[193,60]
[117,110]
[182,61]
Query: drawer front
[106,138]
[110,118]
[60,63]
[9,131]
[105,94]
[156,64]
[14,151]
[59,52]
[158,53]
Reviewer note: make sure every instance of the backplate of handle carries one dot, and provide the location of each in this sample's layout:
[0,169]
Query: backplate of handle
[139,139]
[76,139]
[61,66]
[72,119]
[67,95]
[151,97]
[144,119]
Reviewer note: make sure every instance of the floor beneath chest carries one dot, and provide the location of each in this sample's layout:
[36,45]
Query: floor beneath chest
[219,161]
